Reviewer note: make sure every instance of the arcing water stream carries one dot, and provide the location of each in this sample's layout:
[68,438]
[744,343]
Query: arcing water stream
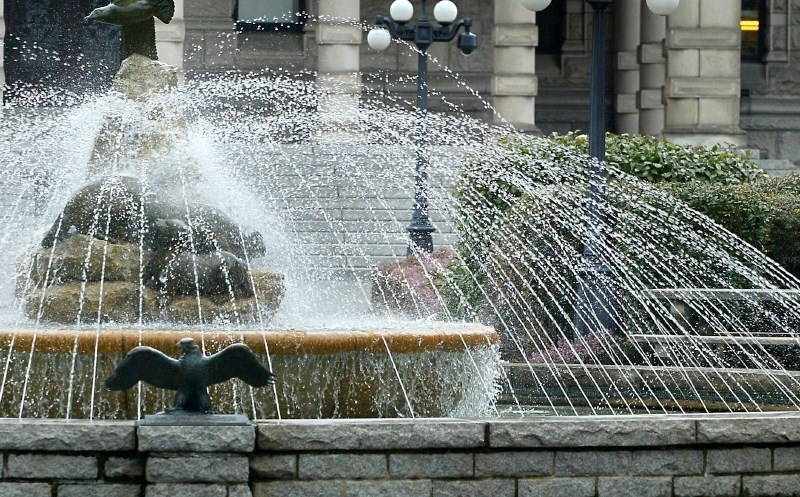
[682,298]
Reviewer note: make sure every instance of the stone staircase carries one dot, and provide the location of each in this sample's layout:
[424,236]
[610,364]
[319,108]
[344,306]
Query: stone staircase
[775,168]
[344,208]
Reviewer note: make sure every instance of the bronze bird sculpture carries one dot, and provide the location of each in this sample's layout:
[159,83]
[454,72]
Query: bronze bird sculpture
[136,19]
[192,374]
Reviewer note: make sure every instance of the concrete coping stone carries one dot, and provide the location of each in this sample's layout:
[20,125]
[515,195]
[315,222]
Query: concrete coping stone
[530,433]
[67,435]
[754,428]
[370,434]
[595,431]
[50,435]
[647,430]
[159,438]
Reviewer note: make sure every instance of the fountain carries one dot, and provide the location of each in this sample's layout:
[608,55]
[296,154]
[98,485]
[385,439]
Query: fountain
[147,214]
[141,250]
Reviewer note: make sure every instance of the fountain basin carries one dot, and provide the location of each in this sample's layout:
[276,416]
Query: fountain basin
[444,370]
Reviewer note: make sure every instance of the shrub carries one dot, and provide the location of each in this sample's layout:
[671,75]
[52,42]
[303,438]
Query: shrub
[522,219]
[743,209]
[658,161]
[765,213]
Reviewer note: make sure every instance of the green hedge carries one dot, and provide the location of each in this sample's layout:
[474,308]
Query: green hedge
[720,182]
[658,161]
[509,191]
[765,213]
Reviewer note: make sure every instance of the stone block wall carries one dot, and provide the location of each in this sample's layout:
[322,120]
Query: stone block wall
[672,456]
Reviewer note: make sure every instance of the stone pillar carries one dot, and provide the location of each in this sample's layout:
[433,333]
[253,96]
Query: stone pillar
[339,80]
[576,53]
[626,74]
[514,84]
[202,460]
[170,37]
[703,73]
[779,31]
[652,68]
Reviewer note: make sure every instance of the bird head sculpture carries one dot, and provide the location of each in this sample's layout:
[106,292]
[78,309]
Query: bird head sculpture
[191,374]
[187,345]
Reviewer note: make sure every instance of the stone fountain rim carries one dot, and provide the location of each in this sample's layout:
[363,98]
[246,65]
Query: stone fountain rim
[289,342]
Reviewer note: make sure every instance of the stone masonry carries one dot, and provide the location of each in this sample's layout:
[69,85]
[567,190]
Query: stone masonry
[346,207]
[676,455]
[703,84]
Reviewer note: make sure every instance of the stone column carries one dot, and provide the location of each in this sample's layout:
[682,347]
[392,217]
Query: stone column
[652,68]
[170,38]
[626,74]
[779,31]
[208,460]
[514,84]
[576,51]
[339,81]
[703,73]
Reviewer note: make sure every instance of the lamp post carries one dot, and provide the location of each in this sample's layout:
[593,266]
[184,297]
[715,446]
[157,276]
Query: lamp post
[594,275]
[423,35]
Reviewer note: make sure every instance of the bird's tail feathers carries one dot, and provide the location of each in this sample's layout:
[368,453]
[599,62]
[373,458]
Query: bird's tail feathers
[165,10]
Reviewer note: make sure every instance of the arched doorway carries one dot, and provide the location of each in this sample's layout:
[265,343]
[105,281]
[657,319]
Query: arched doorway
[50,47]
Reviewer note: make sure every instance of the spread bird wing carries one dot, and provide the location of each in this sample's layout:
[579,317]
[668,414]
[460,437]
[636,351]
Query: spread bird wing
[164,10]
[148,365]
[238,361]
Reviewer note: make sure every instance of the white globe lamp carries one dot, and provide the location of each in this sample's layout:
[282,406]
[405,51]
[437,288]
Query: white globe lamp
[663,7]
[401,10]
[445,12]
[379,39]
[535,5]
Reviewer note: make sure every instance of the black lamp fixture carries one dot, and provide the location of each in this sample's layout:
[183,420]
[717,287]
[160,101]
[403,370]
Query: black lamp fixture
[423,35]
[594,275]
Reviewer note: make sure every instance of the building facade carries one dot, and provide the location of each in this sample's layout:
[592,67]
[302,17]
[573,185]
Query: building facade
[716,71]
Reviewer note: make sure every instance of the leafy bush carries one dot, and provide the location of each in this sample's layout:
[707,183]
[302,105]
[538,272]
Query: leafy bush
[658,161]
[522,216]
[765,213]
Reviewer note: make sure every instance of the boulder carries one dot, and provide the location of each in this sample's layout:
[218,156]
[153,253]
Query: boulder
[269,288]
[210,274]
[203,252]
[146,126]
[140,77]
[184,310]
[110,207]
[115,202]
[118,303]
[72,260]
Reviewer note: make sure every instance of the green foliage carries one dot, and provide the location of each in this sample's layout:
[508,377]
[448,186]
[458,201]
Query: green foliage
[659,161]
[743,209]
[509,191]
[765,213]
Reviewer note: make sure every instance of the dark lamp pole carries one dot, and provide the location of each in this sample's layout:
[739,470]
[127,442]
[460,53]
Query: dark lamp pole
[423,35]
[594,276]
[595,283]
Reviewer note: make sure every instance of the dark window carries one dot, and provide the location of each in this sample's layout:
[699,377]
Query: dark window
[754,29]
[551,28]
[273,15]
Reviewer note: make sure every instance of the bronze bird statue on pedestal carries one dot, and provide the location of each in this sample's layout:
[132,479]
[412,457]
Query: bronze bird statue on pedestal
[136,18]
[192,374]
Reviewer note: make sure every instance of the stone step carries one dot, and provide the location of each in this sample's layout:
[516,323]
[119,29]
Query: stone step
[777,167]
